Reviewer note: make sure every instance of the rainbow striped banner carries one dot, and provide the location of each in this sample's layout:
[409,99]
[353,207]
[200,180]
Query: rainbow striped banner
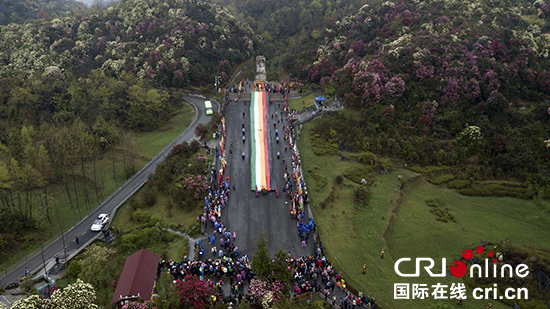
[259,163]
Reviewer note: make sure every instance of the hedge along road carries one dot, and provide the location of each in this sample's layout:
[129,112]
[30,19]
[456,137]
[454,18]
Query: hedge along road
[82,229]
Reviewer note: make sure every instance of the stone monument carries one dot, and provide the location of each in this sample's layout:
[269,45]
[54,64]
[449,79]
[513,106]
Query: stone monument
[260,69]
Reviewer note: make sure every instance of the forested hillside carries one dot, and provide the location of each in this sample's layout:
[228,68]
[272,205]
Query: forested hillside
[451,82]
[284,23]
[18,11]
[171,43]
[74,90]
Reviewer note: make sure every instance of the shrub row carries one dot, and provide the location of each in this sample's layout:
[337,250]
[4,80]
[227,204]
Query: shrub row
[458,183]
[441,179]
[496,190]
[428,169]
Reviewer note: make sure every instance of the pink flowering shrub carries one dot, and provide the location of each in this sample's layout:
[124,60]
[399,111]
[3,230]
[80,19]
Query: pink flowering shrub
[196,185]
[193,292]
[395,86]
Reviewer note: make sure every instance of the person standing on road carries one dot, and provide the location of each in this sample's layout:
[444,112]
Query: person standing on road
[243,131]
[243,139]
[278,155]
[76,240]
[243,155]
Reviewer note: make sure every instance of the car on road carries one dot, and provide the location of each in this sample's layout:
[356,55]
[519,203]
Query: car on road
[100,222]
[208,107]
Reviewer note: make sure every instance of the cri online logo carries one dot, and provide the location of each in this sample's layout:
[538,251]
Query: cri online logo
[459,269]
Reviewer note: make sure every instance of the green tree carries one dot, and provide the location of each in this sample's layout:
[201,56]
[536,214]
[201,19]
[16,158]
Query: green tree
[260,259]
[6,183]
[167,299]
[280,268]
[99,267]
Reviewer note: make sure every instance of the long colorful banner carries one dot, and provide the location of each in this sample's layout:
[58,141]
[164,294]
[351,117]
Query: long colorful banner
[259,163]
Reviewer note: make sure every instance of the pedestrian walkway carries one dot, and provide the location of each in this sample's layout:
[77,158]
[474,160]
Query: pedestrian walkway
[316,111]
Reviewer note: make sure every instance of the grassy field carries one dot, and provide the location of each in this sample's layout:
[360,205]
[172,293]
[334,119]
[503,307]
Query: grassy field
[63,216]
[171,214]
[397,218]
[151,143]
[298,104]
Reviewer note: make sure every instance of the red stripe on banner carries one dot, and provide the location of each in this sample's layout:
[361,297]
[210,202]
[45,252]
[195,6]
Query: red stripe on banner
[266,145]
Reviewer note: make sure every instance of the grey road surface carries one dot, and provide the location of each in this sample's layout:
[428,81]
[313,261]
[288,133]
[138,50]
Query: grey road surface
[245,213]
[82,228]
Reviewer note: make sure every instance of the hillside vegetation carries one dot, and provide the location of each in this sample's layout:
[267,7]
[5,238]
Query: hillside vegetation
[77,96]
[290,23]
[171,44]
[18,11]
[456,83]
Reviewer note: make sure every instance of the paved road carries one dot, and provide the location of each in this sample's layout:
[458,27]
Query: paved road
[245,213]
[82,229]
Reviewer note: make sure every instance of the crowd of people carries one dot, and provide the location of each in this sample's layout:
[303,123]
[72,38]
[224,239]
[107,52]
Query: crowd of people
[316,274]
[295,187]
[216,273]
[224,262]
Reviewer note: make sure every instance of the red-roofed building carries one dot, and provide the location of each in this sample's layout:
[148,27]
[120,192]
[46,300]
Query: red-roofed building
[137,279]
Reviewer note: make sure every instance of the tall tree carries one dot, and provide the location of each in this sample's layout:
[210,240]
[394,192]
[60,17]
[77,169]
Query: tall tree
[102,277]
[260,259]
[6,184]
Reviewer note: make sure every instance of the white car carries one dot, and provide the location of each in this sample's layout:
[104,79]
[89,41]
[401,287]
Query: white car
[99,222]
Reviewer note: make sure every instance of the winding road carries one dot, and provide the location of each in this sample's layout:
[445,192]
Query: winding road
[55,248]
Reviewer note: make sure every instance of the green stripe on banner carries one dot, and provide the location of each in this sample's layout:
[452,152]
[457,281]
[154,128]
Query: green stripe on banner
[252,143]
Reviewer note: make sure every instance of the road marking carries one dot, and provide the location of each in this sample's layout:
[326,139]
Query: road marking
[83,233]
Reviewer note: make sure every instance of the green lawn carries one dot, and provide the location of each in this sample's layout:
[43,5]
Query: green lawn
[354,235]
[171,214]
[298,104]
[151,143]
